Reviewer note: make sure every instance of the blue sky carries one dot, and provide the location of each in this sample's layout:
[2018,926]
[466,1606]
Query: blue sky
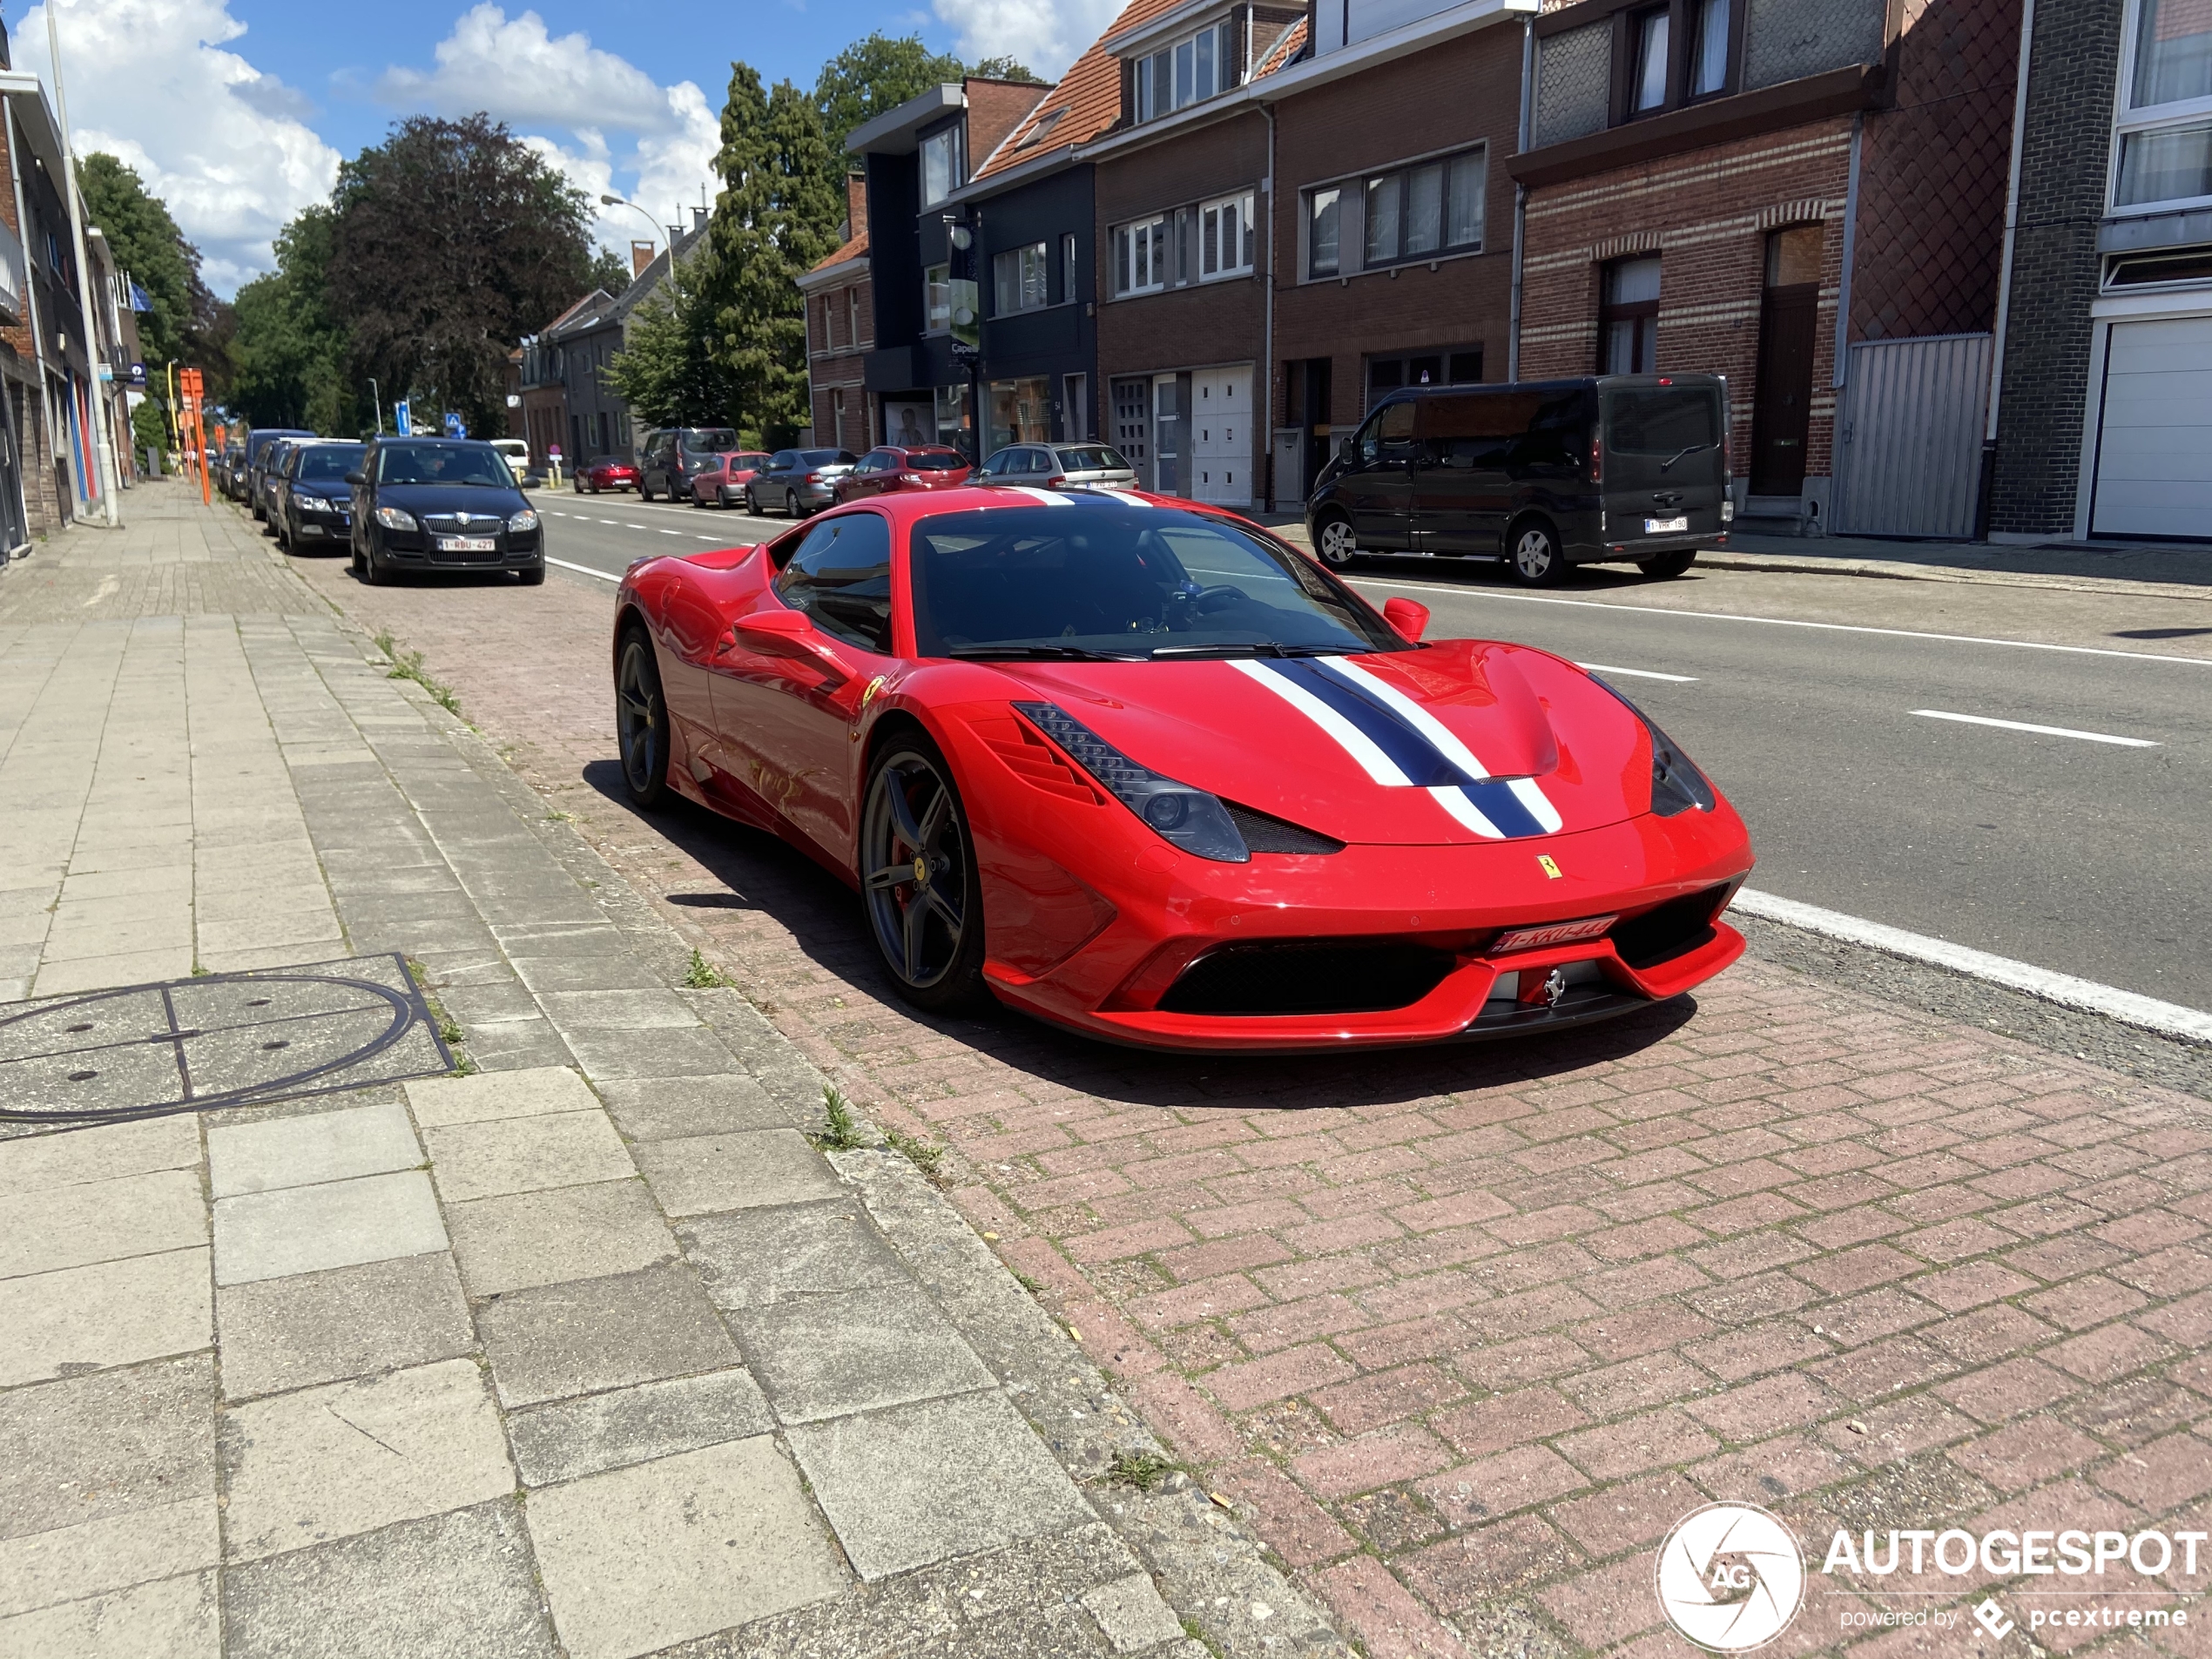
[237,112]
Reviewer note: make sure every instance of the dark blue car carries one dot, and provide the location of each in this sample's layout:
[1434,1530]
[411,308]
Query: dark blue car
[441,505]
[313,502]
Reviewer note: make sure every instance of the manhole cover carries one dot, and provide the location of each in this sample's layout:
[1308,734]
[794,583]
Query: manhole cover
[192,1045]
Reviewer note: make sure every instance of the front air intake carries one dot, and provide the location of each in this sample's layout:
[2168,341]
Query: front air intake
[1669,930]
[1309,976]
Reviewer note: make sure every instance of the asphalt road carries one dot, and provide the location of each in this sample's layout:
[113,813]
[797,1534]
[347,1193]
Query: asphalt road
[2087,857]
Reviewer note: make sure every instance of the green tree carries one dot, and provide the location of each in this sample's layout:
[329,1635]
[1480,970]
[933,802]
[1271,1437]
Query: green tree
[777,218]
[609,272]
[449,241]
[149,245]
[670,370]
[1006,69]
[149,426]
[871,77]
[294,357]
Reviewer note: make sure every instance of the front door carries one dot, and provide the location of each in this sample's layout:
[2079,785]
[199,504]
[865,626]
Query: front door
[1221,436]
[1133,426]
[1789,322]
[1170,436]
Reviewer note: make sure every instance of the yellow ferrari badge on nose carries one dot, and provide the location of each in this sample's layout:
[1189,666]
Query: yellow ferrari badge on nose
[1544,863]
[874,685]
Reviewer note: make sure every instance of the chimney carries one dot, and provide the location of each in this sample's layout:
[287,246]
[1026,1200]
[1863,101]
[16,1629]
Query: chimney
[641,255]
[856,204]
[698,220]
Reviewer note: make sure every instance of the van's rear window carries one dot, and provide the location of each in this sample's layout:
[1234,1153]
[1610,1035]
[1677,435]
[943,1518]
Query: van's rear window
[1662,420]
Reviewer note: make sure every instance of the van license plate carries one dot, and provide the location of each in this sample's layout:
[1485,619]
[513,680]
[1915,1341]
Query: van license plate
[1665,526]
[467,545]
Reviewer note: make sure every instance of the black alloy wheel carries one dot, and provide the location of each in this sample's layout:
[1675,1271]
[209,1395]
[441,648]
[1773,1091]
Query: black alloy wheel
[641,721]
[1535,558]
[918,880]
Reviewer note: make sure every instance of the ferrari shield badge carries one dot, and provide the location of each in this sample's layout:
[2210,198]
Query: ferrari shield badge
[1544,863]
[874,685]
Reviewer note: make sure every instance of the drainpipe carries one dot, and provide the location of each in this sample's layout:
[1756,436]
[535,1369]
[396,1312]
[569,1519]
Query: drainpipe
[1520,192]
[103,438]
[1267,324]
[2005,274]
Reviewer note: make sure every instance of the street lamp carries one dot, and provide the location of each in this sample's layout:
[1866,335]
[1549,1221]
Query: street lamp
[377,398]
[620,201]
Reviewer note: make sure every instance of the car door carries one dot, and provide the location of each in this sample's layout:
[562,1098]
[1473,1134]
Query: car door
[1377,489]
[789,711]
[1462,480]
[874,473]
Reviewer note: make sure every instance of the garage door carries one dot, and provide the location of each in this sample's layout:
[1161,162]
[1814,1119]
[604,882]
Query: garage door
[1220,435]
[2154,453]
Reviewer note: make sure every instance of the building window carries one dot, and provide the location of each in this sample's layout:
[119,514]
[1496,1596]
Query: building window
[937,299]
[1075,407]
[1020,280]
[1321,231]
[943,166]
[852,316]
[1708,48]
[1141,256]
[1225,238]
[1628,317]
[1648,83]
[2165,148]
[1674,54]
[1070,285]
[1447,366]
[951,416]
[837,417]
[1421,212]
[1020,413]
[1188,71]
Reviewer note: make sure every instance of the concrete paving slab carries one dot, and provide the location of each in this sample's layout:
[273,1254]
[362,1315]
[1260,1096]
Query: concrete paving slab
[647,1010]
[541,1091]
[86,1448]
[702,1174]
[173,1619]
[99,1221]
[99,1154]
[109,1313]
[940,1478]
[112,1553]
[323,1463]
[653,1420]
[1132,1615]
[320,1146]
[303,1230]
[828,1356]
[525,1154]
[663,1108]
[637,1559]
[750,1259]
[453,1586]
[308,1328]
[668,1052]
[525,1239]
[586,1335]
[57,977]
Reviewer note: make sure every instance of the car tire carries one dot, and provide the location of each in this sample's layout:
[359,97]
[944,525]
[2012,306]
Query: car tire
[1533,555]
[751,502]
[645,490]
[534,577]
[375,571]
[1334,540]
[641,722]
[929,932]
[359,567]
[792,508]
[1667,566]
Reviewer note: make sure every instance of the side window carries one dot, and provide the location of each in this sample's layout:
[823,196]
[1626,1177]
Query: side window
[1394,434]
[840,576]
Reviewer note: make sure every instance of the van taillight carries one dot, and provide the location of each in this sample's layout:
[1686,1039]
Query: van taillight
[1597,454]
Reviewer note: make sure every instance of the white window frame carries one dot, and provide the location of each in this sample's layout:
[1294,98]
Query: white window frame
[955,162]
[1219,257]
[2156,118]
[1030,287]
[1308,205]
[937,280]
[1123,242]
[1168,62]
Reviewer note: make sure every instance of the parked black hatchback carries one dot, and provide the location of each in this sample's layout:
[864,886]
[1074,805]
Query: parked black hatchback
[441,504]
[1542,475]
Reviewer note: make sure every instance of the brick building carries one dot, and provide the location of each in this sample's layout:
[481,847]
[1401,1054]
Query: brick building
[2104,422]
[840,330]
[1805,196]
[540,380]
[588,338]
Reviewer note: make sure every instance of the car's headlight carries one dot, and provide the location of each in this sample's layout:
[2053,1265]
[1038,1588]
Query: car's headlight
[525,520]
[393,518]
[1676,785]
[1189,817]
[318,504]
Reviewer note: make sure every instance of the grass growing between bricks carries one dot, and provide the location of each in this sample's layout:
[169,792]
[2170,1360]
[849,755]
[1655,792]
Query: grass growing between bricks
[703,976]
[408,665]
[449,1027]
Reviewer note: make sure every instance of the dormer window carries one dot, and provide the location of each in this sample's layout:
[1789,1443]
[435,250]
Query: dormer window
[944,164]
[1184,73]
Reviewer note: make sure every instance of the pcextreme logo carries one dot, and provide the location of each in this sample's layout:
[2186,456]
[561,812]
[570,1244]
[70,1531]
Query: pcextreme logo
[1730,1577]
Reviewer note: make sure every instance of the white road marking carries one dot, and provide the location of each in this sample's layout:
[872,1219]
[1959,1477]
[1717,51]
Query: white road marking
[629,527]
[669,532]
[615,521]
[2148,1014]
[1787,622]
[2023,726]
[583,570]
[1638,673]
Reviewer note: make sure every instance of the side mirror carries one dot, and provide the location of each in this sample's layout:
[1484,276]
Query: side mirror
[356,478]
[787,633]
[1347,446]
[1410,618]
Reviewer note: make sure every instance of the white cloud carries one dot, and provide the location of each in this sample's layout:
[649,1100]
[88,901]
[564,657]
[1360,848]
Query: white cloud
[222,144]
[1045,38]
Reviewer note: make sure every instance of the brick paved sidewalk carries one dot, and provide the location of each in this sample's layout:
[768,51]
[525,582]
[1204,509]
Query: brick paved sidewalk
[1466,1332]
[506,1364]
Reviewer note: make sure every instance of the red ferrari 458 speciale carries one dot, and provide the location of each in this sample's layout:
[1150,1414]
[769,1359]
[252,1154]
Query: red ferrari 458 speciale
[1139,768]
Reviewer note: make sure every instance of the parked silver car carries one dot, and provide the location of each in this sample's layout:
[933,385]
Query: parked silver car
[1057,464]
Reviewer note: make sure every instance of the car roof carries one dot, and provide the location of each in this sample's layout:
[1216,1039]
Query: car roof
[905,508]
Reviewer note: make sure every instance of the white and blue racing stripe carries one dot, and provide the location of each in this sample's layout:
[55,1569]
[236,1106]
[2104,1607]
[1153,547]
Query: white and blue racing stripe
[1399,743]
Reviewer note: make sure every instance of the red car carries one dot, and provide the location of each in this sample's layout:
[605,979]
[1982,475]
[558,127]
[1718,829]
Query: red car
[726,476]
[887,470]
[1140,769]
[608,472]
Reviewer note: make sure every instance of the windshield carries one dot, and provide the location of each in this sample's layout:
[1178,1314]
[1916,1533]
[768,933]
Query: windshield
[823,457]
[712,438]
[1090,457]
[935,460]
[1114,581]
[329,463]
[1662,420]
[443,463]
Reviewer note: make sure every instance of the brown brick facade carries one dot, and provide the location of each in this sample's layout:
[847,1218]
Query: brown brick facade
[840,329]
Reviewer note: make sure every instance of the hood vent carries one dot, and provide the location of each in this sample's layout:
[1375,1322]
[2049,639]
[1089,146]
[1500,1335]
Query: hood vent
[1265,834]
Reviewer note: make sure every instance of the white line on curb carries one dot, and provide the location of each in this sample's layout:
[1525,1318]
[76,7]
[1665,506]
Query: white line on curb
[583,570]
[2168,1019]
[2023,726]
[1638,673]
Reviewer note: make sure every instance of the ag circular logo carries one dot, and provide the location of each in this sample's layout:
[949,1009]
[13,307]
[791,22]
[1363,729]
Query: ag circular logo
[1730,1577]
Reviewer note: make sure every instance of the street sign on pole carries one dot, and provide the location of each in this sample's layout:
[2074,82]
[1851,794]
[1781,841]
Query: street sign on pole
[455,427]
[403,418]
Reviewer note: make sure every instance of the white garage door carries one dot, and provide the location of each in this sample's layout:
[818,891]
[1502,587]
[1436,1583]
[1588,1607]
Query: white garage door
[1220,435]
[2155,454]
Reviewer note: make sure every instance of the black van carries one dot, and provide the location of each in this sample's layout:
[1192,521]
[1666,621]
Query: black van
[1541,474]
